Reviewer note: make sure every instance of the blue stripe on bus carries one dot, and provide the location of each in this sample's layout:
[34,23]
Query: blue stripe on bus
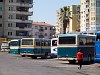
[14,51]
[34,50]
[70,52]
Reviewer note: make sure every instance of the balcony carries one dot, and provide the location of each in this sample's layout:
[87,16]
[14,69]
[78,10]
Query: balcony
[23,29]
[17,37]
[21,4]
[22,12]
[19,20]
[41,30]
[41,36]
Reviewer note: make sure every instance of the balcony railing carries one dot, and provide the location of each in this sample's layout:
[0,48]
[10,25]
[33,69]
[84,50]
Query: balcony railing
[18,37]
[24,29]
[20,20]
[22,12]
[41,36]
[41,29]
[22,4]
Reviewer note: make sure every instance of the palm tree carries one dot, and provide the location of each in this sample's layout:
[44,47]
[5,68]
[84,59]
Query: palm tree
[65,17]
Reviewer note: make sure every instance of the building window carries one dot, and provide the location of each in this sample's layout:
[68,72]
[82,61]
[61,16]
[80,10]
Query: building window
[36,33]
[36,27]
[0,8]
[9,33]
[10,1]
[9,24]
[45,34]
[10,16]
[45,28]
[0,16]
[10,8]
[41,27]
[0,25]
[50,28]
[1,0]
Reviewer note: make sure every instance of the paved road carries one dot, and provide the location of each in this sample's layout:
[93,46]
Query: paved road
[16,65]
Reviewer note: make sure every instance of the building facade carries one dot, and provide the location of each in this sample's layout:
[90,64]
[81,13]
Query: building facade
[14,22]
[74,23]
[59,22]
[42,30]
[74,20]
[90,15]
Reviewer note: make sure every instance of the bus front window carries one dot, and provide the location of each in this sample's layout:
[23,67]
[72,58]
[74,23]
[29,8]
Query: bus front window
[98,37]
[14,43]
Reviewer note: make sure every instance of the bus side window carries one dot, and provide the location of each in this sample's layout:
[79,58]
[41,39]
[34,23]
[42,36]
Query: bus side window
[42,43]
[37,43]
[81,42]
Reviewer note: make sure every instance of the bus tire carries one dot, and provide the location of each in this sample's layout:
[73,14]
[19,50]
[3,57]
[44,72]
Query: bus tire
[45,56]
[23,55]
[34,57]
[72,61]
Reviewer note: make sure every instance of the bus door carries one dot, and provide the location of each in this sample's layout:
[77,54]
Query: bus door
[97,47]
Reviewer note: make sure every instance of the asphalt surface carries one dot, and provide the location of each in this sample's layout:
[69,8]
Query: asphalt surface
[11,64]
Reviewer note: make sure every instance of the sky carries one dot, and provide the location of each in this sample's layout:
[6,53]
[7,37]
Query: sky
[45,10]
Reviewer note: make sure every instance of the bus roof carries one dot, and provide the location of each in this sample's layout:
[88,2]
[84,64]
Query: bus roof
[36,38]
[15,40]
[63,35]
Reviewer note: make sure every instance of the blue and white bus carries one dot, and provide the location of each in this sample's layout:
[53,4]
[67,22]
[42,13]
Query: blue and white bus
[69,44]
[54,47]
[35,47]
[97,47]
[14,46]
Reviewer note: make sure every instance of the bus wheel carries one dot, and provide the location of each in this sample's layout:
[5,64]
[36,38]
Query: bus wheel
[45,55]
[33,57]
[23,55]
[72,61]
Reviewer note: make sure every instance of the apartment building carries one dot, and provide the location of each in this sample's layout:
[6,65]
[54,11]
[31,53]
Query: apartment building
[90,15]
[14,22]
[59,22]
[74,20]
[42,30]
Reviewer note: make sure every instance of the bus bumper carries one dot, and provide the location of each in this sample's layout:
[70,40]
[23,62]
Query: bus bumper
[71,59]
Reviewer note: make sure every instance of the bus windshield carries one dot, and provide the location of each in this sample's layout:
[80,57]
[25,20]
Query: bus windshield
[14,43]
[67,40]
[98,37]
[5,44]
[27,41]
[54,42]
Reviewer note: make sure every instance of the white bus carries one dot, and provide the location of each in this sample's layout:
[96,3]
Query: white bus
[35,47]
[69,44]
[54,47]
[14,46]
[5,46]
